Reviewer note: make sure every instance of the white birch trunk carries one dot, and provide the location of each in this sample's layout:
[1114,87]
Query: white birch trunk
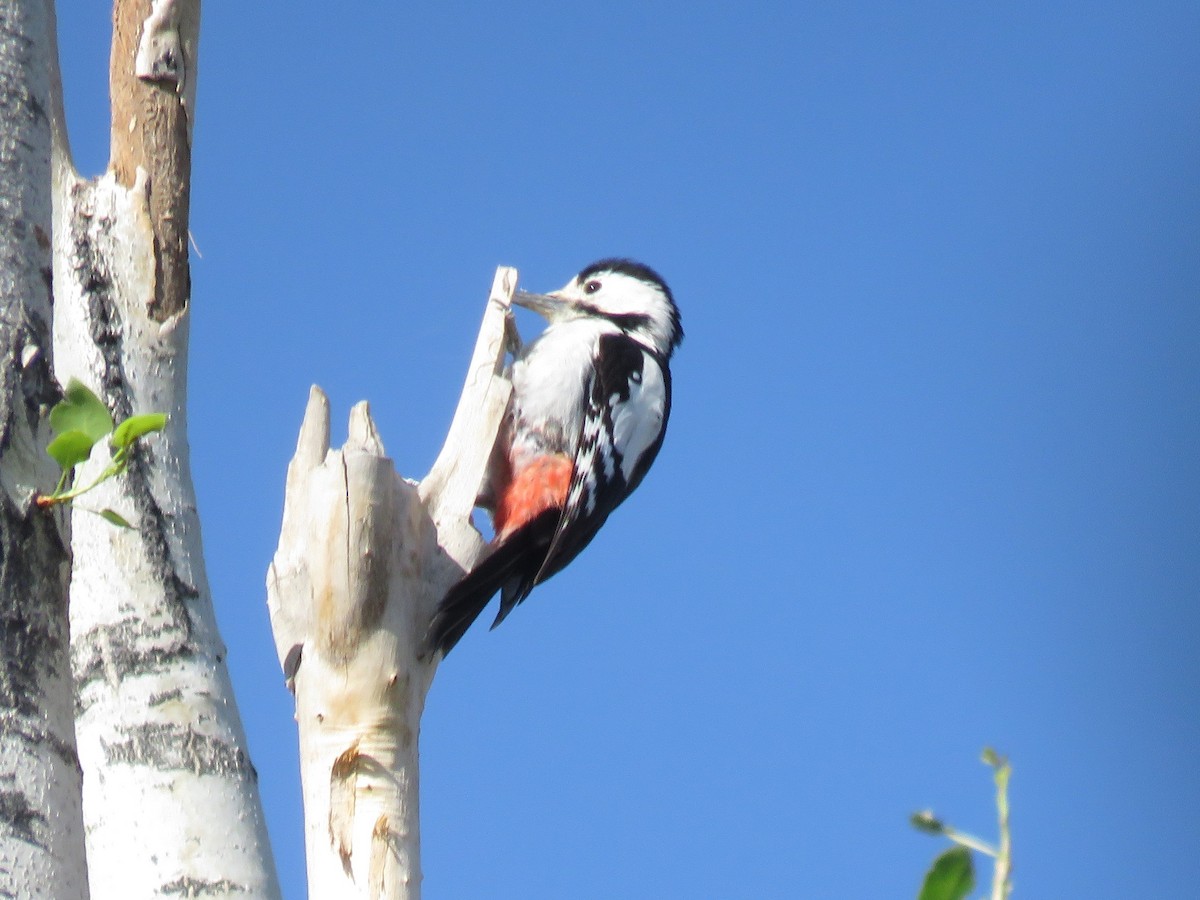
[170,798]
[364,557]
[41,822]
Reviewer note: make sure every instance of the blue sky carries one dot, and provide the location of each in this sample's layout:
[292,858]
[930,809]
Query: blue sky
[931,477]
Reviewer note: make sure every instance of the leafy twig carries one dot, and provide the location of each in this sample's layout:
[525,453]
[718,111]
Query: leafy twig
[79,420]
[952,875]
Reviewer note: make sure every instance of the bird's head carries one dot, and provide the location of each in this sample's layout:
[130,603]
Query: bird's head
[630,295]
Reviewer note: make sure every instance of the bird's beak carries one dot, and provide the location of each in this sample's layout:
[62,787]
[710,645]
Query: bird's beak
[548,305]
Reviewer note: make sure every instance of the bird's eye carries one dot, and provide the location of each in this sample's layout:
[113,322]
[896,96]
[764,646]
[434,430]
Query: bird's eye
[591,287]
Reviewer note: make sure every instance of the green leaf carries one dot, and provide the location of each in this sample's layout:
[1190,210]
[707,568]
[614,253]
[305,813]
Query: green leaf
[81,410]
[951,877]
[136,426]
[70,448]
[115,517]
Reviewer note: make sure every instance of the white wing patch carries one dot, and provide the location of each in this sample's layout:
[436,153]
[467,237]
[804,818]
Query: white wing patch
[638,421]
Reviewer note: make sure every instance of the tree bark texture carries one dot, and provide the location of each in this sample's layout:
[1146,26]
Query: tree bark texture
[152,83]
[364,558]
[41,822]
[170,797]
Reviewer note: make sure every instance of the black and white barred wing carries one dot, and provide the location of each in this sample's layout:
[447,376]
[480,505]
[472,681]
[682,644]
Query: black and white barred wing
[629,401]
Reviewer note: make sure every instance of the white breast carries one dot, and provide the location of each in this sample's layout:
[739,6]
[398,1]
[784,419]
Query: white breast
[549,380]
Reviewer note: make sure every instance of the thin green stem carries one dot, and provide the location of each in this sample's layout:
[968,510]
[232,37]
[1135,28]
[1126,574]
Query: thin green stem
[1002,873]
[116,467]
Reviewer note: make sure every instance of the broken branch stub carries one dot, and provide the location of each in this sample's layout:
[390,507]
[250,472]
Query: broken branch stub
[450,488]
[364,557]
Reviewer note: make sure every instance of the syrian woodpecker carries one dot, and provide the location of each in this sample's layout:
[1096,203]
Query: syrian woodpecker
[591,398]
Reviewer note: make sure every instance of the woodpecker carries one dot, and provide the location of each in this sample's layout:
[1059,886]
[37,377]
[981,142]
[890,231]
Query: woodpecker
[589,408]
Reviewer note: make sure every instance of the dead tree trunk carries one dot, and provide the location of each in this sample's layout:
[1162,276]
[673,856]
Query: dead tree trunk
[364,557]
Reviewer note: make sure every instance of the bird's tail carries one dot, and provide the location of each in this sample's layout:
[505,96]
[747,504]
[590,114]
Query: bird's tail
[511,564]
[459,608]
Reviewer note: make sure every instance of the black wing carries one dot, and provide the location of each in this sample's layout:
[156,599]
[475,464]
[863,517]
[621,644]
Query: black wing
[628,406]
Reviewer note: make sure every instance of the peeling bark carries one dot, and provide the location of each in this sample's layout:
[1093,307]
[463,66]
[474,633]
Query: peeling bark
[152,83]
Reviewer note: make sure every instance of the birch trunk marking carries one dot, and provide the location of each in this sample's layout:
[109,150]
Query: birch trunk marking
[170,797]
[41,817]
[364,557]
